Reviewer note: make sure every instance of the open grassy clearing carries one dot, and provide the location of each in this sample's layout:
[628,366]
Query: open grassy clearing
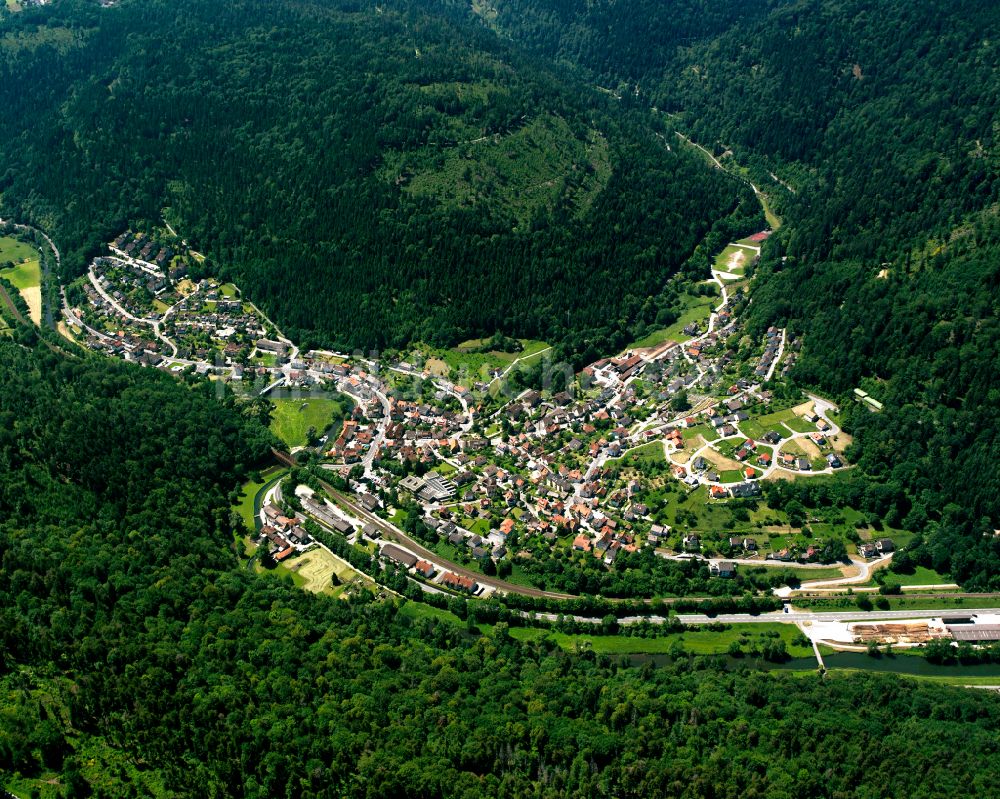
[282,572]
[103,765]
[800,425]
[16,251]
[476,365]
[25,275]
[733,259]
[804,574]
[906,602]
[647,453]
[292,418]
[705,431]
[247,505]
[696,309]
[419,610]
[756,427]
[693,640]
[317,567]
[921,576]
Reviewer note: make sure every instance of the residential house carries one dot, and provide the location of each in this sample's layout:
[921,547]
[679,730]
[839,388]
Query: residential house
[722,568]
[885,546]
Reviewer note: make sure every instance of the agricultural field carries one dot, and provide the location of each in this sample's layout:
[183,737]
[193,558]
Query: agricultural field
[292,418]
[25,275]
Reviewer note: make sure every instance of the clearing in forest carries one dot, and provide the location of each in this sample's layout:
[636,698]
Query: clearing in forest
[25,275]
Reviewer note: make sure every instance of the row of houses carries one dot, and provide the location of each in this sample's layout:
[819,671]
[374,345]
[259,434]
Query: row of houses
[428,570]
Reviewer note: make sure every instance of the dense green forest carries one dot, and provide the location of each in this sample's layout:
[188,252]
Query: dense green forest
[370,175]
[138,655]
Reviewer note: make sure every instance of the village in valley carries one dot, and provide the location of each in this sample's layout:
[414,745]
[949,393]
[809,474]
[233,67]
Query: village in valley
[669,472]
[668,446]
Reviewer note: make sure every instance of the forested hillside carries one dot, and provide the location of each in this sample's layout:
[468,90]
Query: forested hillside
[139,657]
[884,123]
[370,175]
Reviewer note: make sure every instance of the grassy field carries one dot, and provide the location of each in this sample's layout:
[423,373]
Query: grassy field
[25,275]
[228,290]
[647,453]
[758,426]
[800,425]
[733,259]
[694,641]
[921,576]
[476,364]
[706,431]
[282,572]
[906,602]
[418,610]
[696,309]
[317,566]
[826,573]
[248,495]
[292,418]
[16,251]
